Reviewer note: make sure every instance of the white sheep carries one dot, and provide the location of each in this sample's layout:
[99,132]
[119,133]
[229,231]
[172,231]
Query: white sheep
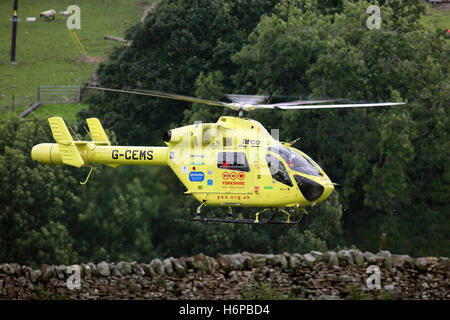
[64,13]
[48,14]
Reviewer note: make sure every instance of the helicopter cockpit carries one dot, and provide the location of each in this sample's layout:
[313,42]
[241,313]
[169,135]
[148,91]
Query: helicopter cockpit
[278,170]
[296,162]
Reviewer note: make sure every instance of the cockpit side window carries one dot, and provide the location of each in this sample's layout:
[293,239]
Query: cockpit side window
[295,161]
[278,170]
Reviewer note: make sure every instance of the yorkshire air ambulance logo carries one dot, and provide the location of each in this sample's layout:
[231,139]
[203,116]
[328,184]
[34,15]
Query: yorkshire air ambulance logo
[233,175]
[233,178]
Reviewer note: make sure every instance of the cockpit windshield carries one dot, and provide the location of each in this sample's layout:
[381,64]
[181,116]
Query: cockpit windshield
[295,161]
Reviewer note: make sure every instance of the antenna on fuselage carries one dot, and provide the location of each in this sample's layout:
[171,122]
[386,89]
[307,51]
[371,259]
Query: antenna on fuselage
[294,141]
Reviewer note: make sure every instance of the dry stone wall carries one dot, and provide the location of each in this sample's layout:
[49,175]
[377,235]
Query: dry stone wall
[314,275]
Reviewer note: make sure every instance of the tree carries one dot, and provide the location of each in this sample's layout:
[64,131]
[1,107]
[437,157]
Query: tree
[37,202]
[375,156]
[391,165]
[177,41]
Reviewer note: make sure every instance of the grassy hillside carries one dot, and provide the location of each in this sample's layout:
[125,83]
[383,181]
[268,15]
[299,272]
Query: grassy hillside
[46,53]
[435,18]
[67,110]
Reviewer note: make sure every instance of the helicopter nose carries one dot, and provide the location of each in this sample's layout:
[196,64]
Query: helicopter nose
[310,189]
[329,187]
[314,191]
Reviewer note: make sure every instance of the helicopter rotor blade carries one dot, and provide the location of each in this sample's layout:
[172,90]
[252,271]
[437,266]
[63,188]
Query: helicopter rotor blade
[246,102]
[328,106]
[161,94]
[333,106]
[294,103]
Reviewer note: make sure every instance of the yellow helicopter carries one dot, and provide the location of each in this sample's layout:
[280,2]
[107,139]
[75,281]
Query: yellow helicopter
[234,162]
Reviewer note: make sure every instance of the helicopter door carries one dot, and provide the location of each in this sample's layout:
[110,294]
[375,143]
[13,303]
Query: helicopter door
[281,179]
[235,172]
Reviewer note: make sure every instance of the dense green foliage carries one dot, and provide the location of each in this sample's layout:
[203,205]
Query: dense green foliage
[178,40]
[392,164]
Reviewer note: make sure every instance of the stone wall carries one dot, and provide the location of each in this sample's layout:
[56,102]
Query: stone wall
[315,275]
[442,4]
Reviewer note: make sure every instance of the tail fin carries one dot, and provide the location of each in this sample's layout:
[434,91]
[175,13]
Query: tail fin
[66,145]
[59,130]
[98,134]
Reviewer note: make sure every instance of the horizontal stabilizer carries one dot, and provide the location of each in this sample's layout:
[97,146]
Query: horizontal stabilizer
[70,155]
[66,145]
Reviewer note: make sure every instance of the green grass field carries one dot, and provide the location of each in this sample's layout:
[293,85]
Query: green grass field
[46,53]
[67,110]
[435,18]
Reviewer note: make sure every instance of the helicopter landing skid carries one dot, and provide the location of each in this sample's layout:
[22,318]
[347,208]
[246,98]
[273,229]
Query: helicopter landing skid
[269,220]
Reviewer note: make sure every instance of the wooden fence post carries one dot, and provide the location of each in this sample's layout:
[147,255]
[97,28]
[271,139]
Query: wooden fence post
[382,245]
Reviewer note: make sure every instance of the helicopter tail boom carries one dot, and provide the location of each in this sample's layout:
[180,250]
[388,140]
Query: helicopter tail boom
[99,151]
[86,153]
